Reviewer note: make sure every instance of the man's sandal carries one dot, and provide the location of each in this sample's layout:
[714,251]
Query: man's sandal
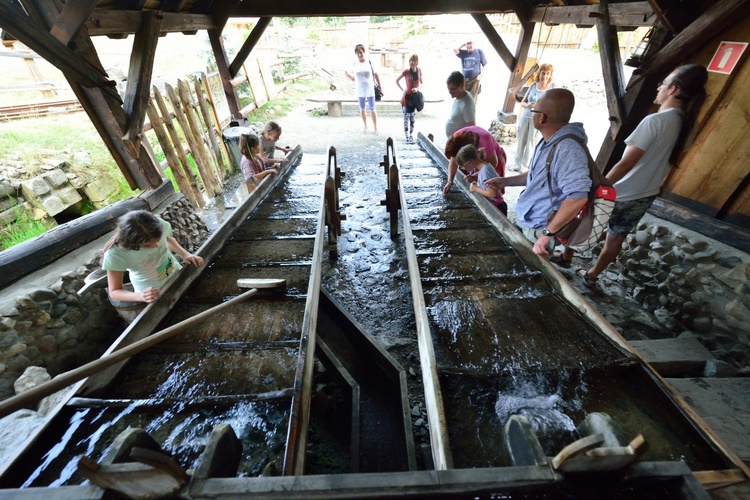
[557,257]
[588,280]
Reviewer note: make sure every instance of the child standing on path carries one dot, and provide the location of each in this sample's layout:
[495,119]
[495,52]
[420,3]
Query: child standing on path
[268,139]
[472,162]
[252,165]
[143,246]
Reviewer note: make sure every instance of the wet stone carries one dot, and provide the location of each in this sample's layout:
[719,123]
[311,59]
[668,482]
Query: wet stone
[58,310]
[26,302]
[42,318]
[13,350]
[8,339]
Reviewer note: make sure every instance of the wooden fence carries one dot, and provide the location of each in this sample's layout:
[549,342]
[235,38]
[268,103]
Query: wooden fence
[188,123]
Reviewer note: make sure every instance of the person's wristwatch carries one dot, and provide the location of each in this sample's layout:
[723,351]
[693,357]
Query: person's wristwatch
[547,232]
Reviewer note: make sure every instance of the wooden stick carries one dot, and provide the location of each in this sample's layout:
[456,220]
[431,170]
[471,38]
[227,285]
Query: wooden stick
[68,378]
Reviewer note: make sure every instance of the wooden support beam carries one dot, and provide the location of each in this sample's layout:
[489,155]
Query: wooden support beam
[306,8]
[620,14]
[139,79]
[222,66]
[495,40]
[37,38]
[102,104]
[71,19]
[522,52]
[609,53]
[248,45]
[719,16]
[118,22]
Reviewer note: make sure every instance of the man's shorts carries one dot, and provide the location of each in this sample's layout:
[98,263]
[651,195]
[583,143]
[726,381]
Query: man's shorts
[626,214]
[370,103]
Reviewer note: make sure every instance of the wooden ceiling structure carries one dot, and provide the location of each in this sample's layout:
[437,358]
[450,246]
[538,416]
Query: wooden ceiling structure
[61,31]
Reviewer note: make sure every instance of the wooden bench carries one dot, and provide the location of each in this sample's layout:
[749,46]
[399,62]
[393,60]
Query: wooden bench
[336,102]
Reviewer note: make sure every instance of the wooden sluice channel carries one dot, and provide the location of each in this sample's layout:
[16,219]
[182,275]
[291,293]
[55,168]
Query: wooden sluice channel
[249,365]
[502,333]
[507,349]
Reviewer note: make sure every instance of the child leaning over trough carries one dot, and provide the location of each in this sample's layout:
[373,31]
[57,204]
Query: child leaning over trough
[143,246]
[268,139]
[473,163]
[252,165]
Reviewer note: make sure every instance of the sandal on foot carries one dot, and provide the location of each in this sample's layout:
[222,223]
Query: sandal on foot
[588,280]
[557,257]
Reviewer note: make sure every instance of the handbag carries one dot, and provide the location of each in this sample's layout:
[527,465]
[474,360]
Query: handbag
[416,100]
[378,92]
[588,226]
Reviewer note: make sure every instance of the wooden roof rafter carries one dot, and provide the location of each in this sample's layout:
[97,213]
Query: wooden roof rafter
[16,21]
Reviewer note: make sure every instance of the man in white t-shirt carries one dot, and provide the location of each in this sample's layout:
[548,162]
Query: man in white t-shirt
[463,112]
[656,141]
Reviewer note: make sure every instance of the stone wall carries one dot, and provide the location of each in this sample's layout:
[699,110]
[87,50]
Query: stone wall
[694,287]
[55,328]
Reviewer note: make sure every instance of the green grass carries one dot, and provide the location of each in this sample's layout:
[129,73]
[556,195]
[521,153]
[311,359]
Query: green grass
[32,143]
[23,229]
[296,94]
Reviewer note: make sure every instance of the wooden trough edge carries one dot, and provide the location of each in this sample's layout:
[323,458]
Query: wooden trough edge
[562,286]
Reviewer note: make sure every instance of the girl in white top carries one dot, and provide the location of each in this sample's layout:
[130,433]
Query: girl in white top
[364,76]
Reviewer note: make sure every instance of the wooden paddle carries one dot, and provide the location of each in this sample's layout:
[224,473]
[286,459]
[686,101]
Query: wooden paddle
[68,378]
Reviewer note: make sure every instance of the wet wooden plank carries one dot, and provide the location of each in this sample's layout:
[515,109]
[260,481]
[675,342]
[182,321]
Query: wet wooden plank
[264,252]
[217,284]
[278,207]
[286,227]
[438,217]
[454,240]
[452,266]
[527,326]
[263,320]
[182,376]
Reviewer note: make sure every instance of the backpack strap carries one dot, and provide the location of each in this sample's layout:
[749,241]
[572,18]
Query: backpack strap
[597,179]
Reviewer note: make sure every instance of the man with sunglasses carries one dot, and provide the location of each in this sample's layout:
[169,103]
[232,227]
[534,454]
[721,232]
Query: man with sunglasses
[569,173]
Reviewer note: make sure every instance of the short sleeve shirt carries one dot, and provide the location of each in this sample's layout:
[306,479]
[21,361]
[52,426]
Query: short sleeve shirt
[148,267]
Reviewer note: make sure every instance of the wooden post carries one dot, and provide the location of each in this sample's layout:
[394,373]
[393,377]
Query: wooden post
[157,124]
[178,147]
[197,131]
[218,119]
[203,169]
[210,130]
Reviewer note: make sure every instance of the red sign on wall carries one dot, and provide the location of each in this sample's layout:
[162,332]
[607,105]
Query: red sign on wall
[726,57]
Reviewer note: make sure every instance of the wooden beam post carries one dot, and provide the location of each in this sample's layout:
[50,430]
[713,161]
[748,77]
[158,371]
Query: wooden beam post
[139,79]
[248,45]
[222,66]
[720,15]
[522,52]
[609,53]
[495,40]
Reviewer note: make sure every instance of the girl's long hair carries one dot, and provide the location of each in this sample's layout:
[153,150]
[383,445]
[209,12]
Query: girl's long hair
[247,142]
[134,229]
[691,80]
